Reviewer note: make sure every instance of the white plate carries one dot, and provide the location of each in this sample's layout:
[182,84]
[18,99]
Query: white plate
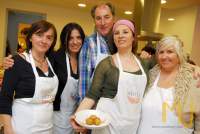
[81,116]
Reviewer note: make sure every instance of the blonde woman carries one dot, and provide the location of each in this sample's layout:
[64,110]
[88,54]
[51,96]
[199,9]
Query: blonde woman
[171,102]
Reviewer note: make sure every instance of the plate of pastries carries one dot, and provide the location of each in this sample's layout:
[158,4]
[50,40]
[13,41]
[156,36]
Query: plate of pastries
[92,119]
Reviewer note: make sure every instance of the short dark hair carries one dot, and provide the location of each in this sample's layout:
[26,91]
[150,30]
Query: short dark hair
[41,27]
[149,49]
[66,32]
[111,7]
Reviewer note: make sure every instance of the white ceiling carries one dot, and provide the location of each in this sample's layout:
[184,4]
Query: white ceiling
[173,4]
[120,5]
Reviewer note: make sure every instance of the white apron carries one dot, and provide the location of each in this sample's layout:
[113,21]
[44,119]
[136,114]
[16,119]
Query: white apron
[125,107]
[35,115]
[151,122]
[67,106]
[100,56]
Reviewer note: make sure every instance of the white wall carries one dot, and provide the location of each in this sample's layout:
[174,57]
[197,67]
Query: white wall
[195,55]
[58,16]
[183,26]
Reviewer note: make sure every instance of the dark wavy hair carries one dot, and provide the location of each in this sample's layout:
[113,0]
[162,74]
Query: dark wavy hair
[41,26]
[66,33]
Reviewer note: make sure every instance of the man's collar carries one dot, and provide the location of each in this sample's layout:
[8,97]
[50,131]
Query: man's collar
[108,36]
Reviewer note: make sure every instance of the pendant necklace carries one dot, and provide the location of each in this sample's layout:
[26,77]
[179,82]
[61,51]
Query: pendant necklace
[40,63]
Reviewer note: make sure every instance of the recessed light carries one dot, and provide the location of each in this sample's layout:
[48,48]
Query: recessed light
[81,5]
[170,19]
[163,1]
[128,12]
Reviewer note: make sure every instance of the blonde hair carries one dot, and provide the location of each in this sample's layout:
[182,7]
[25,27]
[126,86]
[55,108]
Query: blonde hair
[175,42]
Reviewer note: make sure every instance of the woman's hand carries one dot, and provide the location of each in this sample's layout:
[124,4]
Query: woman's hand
[76,126]
[187,119]
[8,130]
[196,73]
[86,103]
[8,62]
[7,125]
[197,77]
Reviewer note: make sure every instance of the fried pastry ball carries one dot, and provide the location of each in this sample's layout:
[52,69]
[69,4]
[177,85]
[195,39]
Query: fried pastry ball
[93,120]
[97,121]
[89,121]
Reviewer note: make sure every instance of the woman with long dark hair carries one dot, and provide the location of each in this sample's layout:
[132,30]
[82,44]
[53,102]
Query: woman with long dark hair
[66,68]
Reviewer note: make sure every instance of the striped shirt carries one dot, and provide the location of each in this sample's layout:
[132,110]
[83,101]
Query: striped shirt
[87,61]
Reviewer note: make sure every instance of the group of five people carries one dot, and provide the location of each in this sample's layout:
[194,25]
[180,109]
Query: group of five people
[42,89]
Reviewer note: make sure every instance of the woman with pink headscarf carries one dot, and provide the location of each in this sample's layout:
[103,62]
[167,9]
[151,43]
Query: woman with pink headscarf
[118,85]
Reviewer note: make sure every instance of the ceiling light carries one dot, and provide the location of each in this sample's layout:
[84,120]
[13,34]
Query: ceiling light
[170,19]
[128,12]
[81,5]
[163,1]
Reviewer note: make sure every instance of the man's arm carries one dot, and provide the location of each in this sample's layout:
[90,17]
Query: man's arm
[8,62]
[196,73]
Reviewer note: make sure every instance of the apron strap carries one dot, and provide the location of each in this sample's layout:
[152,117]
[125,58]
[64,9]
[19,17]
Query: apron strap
[98,45]
[119,63]
[156,80]
[101,43]
[33,64]
[27,58]
[50,66]
[68,65]
[139,64]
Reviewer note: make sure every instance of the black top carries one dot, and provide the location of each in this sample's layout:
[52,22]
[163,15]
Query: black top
[58,62]
[19,79]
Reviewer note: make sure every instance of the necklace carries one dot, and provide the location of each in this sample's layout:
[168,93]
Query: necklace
[40,62]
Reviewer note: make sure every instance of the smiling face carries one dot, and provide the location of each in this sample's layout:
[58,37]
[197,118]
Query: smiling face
[168,58]
[75,42]
[104,19]
[123,37]
[41,42]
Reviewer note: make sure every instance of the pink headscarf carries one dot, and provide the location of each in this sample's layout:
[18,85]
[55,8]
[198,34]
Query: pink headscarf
[124,22]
